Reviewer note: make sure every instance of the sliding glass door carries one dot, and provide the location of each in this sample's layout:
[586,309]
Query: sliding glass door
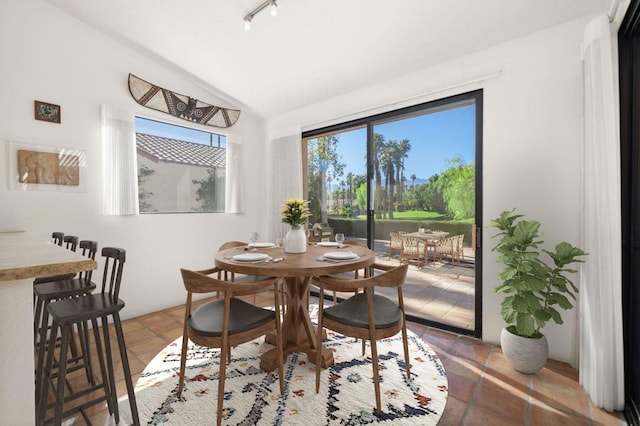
[409,177]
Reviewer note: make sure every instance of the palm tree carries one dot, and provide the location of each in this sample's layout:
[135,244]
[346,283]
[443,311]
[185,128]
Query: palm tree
[388,161]
[350,188]
[378,148]
[403,148]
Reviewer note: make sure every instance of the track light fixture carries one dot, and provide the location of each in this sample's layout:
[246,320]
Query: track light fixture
[273,9]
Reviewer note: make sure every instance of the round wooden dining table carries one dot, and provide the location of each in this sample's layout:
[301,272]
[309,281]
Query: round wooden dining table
[297,270]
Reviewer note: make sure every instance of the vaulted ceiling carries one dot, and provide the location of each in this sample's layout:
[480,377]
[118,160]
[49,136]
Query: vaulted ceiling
[314,50]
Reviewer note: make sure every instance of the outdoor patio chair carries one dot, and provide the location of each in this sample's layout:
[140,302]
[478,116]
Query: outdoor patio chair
[445,246]
[413,249]
[395,244]
[458,248]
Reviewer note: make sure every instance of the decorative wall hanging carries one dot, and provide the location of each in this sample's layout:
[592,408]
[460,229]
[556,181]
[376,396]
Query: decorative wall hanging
[181,106]
[46,168]
[46,112]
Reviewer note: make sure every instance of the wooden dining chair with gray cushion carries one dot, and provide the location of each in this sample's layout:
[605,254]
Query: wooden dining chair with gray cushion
[365,271]
[366,315]
[227,322]
[229,276]
[413,249]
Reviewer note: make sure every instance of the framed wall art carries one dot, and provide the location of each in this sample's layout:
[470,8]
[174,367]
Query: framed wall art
[46,112]
[46,168]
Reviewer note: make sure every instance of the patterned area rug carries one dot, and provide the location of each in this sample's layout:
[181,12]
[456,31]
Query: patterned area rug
[252,396]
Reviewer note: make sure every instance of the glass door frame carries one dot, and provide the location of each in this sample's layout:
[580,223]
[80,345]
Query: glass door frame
[369,122]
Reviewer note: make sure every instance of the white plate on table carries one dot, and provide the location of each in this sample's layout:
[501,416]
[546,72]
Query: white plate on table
[341,255]
[262,245]
[327,244]
[251,257]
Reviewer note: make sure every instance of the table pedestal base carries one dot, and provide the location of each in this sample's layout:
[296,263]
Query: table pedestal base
[269,359]
[298,333]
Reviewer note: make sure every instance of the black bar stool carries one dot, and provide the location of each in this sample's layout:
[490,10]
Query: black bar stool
[48,292]
[69,312]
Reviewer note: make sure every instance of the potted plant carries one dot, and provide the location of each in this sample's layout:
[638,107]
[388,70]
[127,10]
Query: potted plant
[295,212]
[534,288]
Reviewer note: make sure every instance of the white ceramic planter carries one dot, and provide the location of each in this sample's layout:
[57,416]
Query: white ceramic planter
[525,355]
[296,240]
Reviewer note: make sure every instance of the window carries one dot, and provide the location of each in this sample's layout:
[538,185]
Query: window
[180,170]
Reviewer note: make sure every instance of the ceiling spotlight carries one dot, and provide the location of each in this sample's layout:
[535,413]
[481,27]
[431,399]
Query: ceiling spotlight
[273,8]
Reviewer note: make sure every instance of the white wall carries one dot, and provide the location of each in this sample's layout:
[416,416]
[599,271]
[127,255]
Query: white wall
[47,55]
[532,140]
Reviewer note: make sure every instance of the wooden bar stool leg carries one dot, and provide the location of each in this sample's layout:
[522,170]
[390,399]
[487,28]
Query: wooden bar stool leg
[44,385]
[62,371]
[127,371]
[100,355]
[111,384]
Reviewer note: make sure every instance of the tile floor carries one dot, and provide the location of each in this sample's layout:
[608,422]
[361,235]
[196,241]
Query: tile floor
[483,389]
[440,291]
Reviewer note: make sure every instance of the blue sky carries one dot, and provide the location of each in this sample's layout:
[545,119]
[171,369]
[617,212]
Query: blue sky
[435,138]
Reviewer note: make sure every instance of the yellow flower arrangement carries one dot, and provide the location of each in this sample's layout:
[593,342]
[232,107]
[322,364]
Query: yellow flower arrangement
[295,211]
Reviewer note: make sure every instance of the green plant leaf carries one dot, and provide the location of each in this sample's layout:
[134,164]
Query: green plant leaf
[532,301]
[555,315]
[562,301]
[525,325]
[519,304]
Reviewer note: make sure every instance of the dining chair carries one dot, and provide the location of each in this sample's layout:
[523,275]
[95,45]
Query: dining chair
[224,246]
[75,311]
[226,322]
[367,315]
[231,276]
[357,271]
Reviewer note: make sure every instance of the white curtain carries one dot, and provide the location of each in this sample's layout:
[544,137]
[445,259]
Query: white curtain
[600,305]
[119,162]
[234,184]
[285,171]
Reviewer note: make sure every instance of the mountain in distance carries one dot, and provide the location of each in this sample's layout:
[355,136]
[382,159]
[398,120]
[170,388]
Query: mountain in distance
[418,181]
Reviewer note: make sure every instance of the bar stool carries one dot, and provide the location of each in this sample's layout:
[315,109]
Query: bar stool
[69,312]
[57,237]
[70,243]
[47,292]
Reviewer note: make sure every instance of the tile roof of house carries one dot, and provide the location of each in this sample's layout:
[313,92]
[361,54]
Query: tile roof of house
[175,151]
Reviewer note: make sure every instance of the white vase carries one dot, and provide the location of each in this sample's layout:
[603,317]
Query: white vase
[526,355]
[296,240]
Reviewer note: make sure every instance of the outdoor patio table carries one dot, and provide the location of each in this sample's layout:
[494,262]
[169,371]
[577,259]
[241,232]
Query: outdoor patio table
[429,238]
[296,269]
